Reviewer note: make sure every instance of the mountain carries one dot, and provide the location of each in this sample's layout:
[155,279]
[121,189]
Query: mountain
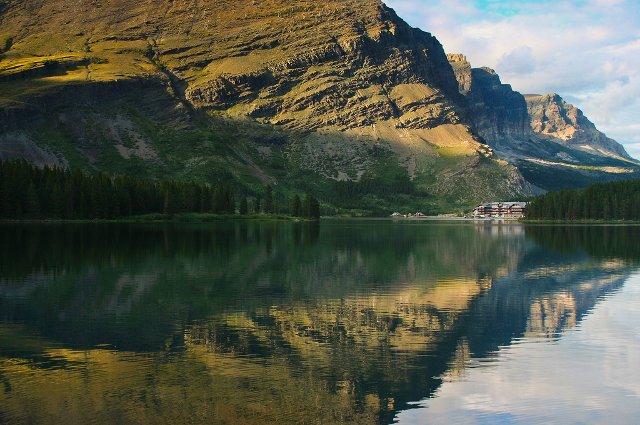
[496,111]
[550,141]
[340,98]
[558,120]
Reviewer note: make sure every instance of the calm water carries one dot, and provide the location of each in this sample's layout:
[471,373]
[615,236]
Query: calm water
[343,322]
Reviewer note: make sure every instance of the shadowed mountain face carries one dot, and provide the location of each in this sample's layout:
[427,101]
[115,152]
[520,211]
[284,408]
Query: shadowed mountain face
[496,111]
[553,144]
[272,323]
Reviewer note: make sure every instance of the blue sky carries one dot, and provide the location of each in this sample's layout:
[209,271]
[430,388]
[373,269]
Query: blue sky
[588,51]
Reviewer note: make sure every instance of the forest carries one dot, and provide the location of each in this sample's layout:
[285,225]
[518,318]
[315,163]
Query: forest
[28,192]
[602,201]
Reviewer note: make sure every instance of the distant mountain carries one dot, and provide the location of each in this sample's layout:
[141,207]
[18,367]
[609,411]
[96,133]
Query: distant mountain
[341,98]
[553,144]
[553,118]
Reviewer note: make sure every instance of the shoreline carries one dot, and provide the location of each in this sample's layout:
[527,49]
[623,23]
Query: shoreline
[163,218]
[607,222]
[488,220]
[208,218]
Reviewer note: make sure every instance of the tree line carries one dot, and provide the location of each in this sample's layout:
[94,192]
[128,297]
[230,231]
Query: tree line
[602,201]
[30,192]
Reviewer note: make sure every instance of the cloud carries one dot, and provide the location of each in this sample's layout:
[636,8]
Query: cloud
[588,51]
[633,149]
[519,61]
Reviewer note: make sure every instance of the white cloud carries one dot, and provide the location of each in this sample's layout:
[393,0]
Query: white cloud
[519,61]
[633,149]
[588,52]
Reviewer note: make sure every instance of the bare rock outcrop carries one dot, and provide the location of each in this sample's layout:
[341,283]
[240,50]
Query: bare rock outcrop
[536,130]
[552,117]
[496,111]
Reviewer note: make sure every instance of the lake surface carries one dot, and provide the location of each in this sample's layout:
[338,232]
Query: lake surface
[349,321]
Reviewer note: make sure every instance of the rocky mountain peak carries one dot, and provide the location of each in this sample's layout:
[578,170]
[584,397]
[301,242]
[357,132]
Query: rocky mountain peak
[537,132]
[552,117]
[336,64]
[350,64]
[489,71]
[462,70]
[457,58]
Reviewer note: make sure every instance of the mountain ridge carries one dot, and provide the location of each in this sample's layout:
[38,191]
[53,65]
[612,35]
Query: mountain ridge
[309,96]
[552,116]
[542,135]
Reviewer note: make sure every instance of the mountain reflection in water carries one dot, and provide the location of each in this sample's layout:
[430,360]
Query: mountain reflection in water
[256,322]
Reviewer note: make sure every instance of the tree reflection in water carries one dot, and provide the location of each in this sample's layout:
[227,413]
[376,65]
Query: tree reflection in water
[258,322]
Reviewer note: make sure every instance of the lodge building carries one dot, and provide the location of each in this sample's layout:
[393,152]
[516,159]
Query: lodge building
[512,210]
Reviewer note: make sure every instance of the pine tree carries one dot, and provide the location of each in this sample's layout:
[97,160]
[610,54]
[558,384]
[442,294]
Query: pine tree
[296,207]
[244,207]
[314,209]
[231,201]
[606,201]
[32,207]
[256,206]
[268,200]
[170,206]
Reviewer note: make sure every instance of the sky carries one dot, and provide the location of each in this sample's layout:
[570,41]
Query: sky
[588,51]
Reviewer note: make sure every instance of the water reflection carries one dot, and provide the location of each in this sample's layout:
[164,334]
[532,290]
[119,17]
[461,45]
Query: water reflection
[244,322]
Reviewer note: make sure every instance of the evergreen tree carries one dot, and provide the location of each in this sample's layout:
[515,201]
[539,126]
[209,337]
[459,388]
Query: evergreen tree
[314,209]
[311,207]
[244,207]
[268,200]
[231,201]
[170,201]
[32,207]
[296,207]
[602,201]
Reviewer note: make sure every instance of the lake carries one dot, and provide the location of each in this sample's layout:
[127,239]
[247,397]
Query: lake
[347,321]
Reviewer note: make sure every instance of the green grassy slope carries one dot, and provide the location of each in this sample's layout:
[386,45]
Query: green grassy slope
[140,128]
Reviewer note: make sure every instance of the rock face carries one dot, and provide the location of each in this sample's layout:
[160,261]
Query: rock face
[462,70]
[551,142]
[299,64]
[553,118]
[336,64]
[495,110]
